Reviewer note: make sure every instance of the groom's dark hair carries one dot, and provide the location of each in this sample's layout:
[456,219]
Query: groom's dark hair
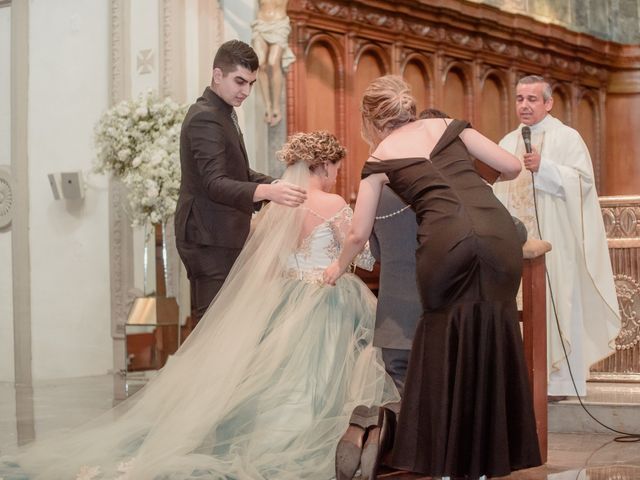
[235,53]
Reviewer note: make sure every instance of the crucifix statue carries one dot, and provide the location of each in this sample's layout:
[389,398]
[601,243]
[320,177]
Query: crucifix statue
[270,38]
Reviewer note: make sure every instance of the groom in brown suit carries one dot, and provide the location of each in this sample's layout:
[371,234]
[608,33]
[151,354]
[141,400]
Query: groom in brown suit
[218,190]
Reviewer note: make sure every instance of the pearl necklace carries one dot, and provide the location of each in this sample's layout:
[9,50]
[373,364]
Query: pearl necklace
[392,214]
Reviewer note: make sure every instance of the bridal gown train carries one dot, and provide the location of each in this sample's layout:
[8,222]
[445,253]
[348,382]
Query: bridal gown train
[263,390]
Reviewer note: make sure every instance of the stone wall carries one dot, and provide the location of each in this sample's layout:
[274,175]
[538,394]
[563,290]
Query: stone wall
[616,20]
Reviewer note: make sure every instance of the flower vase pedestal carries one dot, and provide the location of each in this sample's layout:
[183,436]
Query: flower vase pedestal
[167,311]
[152,328]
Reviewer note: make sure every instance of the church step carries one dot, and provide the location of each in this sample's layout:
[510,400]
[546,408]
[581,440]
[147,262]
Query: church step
[617,405]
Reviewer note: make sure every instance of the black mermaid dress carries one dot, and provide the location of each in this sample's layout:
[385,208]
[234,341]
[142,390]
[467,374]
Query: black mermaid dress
[467,407]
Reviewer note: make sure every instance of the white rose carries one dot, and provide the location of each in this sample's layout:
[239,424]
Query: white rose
[152,188]
[123,110]
[124,154]
[141,111]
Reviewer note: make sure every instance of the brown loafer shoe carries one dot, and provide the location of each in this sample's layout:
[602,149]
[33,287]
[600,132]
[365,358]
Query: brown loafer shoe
[349,448]
[378,442]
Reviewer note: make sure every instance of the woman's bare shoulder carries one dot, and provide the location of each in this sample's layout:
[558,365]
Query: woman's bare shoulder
[336,200]
[325,203]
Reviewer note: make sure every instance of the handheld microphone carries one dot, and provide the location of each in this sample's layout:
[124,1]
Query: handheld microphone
[526,136]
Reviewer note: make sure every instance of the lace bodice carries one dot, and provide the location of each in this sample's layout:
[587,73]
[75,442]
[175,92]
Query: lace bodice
[322,247]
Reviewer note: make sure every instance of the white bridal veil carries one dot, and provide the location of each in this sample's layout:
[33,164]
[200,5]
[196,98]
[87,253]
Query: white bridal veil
[243,388]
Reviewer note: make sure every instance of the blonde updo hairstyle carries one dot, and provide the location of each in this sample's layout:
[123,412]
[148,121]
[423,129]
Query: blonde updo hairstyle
[313,148]
[387,104]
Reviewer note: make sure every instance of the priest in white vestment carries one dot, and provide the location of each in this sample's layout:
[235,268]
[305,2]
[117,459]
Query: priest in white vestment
[568,215]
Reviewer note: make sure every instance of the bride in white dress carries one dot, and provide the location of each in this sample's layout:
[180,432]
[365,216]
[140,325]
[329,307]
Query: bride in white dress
[264,386]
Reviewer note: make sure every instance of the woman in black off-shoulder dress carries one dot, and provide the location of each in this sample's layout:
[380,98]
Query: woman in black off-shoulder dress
[467,408]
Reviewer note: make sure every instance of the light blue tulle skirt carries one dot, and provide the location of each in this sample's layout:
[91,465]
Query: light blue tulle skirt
[272,407]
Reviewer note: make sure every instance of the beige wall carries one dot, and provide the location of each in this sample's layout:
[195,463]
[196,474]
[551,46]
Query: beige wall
[6,288]
[67,92]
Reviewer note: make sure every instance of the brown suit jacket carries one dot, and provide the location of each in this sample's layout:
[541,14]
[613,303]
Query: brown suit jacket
[217,186]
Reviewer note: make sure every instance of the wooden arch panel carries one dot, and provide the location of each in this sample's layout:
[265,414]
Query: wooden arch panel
[370,65]
[587,126]
[561,105]
[416,74]
[493,120]
[322,91]
[454,102]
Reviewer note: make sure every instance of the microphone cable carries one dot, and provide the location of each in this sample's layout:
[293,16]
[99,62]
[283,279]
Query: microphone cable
[624,437]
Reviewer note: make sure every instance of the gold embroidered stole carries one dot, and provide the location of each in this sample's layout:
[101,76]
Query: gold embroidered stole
[520,198]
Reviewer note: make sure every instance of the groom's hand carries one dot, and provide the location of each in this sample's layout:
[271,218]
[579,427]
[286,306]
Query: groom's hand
[283,193]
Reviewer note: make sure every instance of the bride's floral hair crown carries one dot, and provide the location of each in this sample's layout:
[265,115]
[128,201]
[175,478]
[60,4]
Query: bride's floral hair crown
[313,148]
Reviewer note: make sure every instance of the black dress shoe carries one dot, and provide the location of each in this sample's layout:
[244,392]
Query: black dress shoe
[350,446]
[379,441]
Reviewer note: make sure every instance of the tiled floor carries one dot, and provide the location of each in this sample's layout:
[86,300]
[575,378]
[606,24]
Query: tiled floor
[52,406]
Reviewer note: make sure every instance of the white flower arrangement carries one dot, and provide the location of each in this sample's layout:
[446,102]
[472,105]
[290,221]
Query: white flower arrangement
[138,142]
[154,180]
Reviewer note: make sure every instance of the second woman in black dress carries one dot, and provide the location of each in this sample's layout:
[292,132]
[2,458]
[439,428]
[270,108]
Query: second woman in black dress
[467,408]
